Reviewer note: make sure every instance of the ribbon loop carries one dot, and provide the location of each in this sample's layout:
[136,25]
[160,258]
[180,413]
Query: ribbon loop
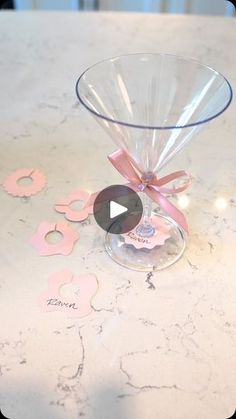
[151,185]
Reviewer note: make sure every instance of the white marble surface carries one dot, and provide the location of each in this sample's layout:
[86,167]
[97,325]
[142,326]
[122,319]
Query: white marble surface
[157,345]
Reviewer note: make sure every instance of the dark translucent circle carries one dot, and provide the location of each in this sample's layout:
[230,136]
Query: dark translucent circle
[122,195]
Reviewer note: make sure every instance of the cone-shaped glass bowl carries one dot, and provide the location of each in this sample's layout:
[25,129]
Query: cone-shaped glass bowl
[151,105]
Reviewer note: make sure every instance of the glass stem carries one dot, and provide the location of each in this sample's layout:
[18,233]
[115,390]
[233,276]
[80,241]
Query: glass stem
[146,229]
[147,209]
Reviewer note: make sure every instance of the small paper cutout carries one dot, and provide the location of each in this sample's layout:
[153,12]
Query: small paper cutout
[63,247]
[79,305]
[63,206]
[12,186]
[158,239]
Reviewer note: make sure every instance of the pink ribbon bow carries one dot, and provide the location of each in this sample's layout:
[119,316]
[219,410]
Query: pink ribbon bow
[152,186]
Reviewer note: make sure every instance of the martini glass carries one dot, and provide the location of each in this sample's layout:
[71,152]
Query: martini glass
[151,105]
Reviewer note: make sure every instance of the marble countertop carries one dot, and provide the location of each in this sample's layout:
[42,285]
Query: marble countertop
[157,345]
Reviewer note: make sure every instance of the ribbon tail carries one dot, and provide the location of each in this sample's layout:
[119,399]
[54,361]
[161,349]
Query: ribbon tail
[168,207]
[159,183]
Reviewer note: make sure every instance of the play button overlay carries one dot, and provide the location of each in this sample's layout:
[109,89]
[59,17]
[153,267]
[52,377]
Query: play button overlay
[118,209]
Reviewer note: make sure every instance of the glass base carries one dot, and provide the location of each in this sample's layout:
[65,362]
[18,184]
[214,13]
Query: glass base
[160,257]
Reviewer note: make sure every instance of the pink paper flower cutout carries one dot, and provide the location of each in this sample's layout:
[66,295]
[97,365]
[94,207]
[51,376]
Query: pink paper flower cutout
[14,188]
[63,247]
[79,304]
[158,239]
[63,206]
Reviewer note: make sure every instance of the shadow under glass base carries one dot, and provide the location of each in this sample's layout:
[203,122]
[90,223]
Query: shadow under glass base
[160,257]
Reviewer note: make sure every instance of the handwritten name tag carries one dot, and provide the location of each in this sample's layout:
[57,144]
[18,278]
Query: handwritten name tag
[78,304]
[162,233]
[56,302]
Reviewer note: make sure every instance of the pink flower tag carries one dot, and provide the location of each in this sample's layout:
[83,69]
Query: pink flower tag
[12,183]
[158,239]
[63,206]
[81,289]
[63,247]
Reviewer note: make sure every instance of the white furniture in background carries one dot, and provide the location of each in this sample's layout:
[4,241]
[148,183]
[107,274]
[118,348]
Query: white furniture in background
[210,7]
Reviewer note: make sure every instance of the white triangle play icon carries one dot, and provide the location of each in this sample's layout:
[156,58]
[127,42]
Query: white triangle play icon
[116,209]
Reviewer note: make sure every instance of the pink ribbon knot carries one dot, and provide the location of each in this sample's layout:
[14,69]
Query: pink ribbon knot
[151,185]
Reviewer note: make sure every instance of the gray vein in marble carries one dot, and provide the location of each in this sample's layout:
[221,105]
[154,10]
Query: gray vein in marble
[80,368]
[151,286]
[194,267]
[143,387]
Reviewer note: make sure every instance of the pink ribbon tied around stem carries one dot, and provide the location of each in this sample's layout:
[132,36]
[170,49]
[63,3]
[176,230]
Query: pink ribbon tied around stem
[155,188]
